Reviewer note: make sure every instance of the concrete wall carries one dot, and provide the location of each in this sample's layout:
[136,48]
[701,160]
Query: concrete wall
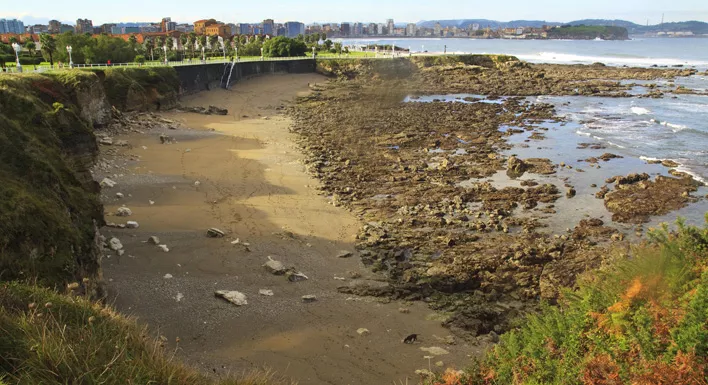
[199,77]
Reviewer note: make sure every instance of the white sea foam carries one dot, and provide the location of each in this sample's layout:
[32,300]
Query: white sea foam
[556,57]
[583,133]
[692,173]
[640,111]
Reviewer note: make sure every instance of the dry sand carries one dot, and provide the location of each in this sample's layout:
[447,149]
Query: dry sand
[252,185]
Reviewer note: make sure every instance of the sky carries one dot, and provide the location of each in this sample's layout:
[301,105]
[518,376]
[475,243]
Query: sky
[308,11]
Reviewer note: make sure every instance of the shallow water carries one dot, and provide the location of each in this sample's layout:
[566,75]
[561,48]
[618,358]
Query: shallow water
[622,126]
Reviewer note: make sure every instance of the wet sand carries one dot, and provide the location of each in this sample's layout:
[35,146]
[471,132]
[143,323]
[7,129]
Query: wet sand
[243,174]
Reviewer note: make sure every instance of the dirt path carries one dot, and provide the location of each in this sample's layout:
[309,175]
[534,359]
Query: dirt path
[243,174]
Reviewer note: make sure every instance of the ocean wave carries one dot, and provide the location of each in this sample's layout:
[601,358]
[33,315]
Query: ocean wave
[672,126]
[692,173]
[640,111]
[557,57]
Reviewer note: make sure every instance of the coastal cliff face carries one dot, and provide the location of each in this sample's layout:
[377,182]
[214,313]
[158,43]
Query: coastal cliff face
[49,203]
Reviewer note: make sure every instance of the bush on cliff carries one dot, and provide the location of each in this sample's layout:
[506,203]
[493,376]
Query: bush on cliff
[147,88]
[644,320]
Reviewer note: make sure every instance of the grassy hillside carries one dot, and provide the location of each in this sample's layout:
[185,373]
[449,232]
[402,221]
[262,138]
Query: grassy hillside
[48,202]
[50,338]
[643,320]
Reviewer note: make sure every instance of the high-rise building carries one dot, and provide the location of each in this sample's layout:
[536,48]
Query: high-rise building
[167,24]
[357,29]
[411,29]
[381,29]
[107,28]
[244,29]
[38,28]
[294,28]
[345,29]
[372,29]
[54,26]
[437,30]
[268,27]
[11,26]
[83,26]
[391,26]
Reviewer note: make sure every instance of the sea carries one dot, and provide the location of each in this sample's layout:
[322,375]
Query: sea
[674,127]
[639,129]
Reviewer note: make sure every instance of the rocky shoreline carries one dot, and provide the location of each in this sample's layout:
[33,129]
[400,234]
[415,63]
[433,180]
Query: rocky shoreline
[422,178]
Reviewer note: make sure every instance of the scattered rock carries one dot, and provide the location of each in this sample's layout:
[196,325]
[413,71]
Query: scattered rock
[235,297]
[115,244]
[153,240]
[266,292]
[119,195]
[124,212]
[344,254]
[131,225]
[167,276]
[275,267]
[570,192]
[106,141]
[363,331]
[296,276]
[434,350]
[215,233]
[106,182]
[164,248]
[309,298]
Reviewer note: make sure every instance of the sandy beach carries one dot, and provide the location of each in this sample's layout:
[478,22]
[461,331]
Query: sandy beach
[243,173]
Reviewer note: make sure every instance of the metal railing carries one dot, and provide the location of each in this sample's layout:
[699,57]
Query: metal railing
[63,66]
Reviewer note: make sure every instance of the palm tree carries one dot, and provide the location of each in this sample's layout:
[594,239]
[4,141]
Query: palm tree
[149,44]
[192,39]
[213,42]
[49,46]
[183,43]
[30,46]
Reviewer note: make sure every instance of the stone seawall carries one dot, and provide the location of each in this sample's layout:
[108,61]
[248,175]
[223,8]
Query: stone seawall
[199,77]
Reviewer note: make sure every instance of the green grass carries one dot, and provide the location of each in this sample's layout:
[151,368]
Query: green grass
[642,320]
[51,339]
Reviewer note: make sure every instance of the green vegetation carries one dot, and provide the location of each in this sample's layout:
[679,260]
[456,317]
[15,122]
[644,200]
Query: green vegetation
[47,203]
[588,32]
[140,88]
[54,339]
[282,46]
[642,320]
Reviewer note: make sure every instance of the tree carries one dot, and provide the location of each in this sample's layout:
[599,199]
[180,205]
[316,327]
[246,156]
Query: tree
[282,46]
[13,40]
[192,40]
[338,48]
[328,44]
[170,43]
[214,42]
[49,46]
[140,59]
[133,40]
[31,47]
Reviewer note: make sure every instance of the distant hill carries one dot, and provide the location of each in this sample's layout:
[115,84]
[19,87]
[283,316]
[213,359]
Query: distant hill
[697,27]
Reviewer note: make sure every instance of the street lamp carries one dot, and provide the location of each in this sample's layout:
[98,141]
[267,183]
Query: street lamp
[313,52]
[17,49]
[164,48]
[237,58]
[261,53]
[203,56]
[71,62]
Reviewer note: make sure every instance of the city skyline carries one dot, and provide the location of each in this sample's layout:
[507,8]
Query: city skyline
[316,11]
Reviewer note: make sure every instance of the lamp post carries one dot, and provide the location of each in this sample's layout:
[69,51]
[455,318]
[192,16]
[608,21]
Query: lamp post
[203,56]
[17,49]
[237,58]
[164,48]
[313,52]
[261,53]
[71,62]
